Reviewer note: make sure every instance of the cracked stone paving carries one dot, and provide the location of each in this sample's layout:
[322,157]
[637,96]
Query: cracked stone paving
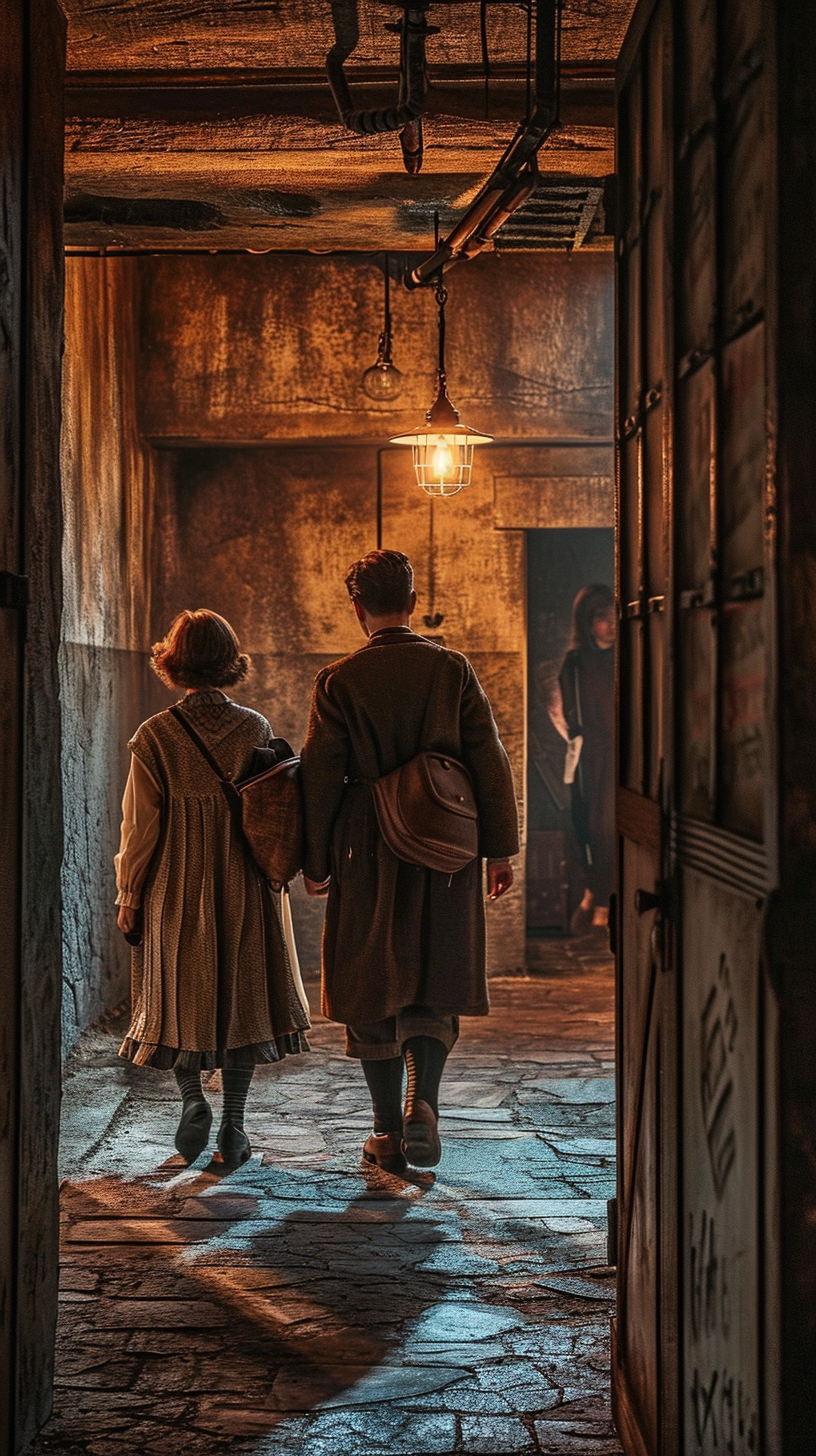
[304,1304]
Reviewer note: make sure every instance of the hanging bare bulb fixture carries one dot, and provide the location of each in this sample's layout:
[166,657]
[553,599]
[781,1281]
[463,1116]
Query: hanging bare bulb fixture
[443,451]
[383,381]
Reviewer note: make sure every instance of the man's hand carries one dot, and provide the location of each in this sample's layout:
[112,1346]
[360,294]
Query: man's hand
[499,878]
[126,918]
[315,889]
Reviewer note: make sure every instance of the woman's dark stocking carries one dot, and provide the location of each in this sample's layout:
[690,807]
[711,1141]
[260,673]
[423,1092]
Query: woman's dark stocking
[189,1085]
[384,1078]
[193,1132]
[425,1058]
[236,1082]
[233,1143]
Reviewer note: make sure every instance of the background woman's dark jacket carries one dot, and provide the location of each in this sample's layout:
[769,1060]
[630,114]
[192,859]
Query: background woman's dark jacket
[587,681]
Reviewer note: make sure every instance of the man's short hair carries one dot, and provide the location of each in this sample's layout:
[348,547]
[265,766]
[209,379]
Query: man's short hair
[382,582]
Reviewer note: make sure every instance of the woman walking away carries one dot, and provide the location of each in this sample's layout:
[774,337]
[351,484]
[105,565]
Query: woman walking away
[587,682]
[215,979]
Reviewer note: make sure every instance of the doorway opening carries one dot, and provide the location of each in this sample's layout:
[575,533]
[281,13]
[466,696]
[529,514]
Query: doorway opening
[560,563]
[237,490]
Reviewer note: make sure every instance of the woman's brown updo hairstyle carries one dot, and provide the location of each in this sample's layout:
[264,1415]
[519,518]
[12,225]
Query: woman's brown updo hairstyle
[200,651]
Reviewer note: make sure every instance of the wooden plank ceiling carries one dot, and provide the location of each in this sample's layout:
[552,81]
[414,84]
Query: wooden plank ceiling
[210,125]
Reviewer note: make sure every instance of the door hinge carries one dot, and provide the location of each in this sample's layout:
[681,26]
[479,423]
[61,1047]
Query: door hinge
[13,591]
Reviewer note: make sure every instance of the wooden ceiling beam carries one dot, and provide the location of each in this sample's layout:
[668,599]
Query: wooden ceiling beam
[572,73]
[322,201]
[586,101]
[104,35]
[185,132]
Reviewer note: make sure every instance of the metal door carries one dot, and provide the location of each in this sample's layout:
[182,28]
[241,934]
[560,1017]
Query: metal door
[695,702]
[725,790]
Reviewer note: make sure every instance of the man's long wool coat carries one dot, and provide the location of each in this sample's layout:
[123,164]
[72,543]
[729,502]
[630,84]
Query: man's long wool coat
[396,934]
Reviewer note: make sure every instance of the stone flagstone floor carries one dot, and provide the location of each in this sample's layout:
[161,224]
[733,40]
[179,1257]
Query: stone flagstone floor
[304,1305]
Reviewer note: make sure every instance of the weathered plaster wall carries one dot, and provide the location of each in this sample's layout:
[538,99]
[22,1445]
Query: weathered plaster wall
[105,683]
[274,347]
[276,472]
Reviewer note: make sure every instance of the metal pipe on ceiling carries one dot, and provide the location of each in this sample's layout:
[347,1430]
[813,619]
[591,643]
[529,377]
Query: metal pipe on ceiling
[516,176]
[406,116]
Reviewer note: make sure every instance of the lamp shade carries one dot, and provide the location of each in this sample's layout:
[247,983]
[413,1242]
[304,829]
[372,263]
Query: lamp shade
[443,449]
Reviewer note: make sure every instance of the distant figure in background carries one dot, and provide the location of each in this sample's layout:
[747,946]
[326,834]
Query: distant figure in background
[215,976]
[587,681]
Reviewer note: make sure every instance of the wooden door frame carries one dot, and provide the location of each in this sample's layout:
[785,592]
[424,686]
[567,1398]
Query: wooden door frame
[31,971]
[646,821]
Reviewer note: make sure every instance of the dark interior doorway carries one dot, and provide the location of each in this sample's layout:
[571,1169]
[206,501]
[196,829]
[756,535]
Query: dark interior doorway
[559,563]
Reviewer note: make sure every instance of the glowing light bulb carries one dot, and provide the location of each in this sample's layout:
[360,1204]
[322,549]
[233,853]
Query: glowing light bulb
[442,462]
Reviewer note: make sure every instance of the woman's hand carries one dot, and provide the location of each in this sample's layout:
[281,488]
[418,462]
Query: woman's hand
[126,918]
[316,889]
[499,878]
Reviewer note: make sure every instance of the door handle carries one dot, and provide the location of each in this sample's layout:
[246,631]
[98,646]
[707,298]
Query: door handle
[656,899]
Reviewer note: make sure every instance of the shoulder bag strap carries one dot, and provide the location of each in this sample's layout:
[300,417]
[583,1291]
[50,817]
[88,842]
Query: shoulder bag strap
[432,702]
[181,718]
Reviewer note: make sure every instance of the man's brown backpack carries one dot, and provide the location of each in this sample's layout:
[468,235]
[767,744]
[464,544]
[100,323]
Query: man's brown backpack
[267,805]
[427,814]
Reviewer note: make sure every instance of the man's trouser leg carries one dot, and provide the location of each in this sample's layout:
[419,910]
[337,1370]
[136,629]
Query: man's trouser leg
[423,1037]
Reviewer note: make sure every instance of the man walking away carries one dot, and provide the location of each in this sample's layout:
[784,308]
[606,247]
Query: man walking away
[403,946]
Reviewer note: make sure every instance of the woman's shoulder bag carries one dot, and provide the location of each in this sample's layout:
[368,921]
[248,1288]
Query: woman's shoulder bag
[267,804]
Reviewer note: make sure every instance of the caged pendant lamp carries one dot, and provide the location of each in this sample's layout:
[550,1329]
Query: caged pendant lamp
[383,381]
[443,450]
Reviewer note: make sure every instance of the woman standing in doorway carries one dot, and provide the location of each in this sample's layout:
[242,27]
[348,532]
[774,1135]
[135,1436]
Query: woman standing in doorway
[215,976]
[587,681]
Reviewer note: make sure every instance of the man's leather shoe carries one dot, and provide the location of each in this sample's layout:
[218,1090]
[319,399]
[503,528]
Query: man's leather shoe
[233,1145]
[385,1149]
[420,1136]
[193,1131]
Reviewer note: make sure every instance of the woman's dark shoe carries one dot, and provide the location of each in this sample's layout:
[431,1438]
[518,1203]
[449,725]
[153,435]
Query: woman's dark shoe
[233,1145]
[420,1135]
[193,1131]
[385,1149]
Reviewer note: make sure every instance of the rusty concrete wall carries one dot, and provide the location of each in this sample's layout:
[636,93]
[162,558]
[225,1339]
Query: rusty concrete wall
[274,347]
[275,472]
[105,683]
